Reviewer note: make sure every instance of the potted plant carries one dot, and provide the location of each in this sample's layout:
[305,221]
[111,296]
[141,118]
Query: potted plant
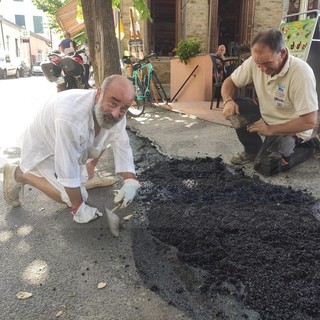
[190,72]
[187,48]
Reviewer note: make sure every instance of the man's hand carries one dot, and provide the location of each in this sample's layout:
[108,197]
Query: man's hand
[230,108]
[259,126]
[127,192]
[85,214]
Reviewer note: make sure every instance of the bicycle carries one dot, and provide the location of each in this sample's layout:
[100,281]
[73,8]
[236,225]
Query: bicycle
[146,83]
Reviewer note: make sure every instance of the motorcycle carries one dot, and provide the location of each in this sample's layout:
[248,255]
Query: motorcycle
[66,70]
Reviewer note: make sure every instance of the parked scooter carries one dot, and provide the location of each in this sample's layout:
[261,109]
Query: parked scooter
[66,70]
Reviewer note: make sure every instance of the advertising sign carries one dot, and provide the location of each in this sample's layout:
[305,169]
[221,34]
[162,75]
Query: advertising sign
[298,36]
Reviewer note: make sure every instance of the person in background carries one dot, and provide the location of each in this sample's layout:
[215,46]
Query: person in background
[285,112]
[67,44]
[222,70]
[86,62]
[221,51]
[64,142]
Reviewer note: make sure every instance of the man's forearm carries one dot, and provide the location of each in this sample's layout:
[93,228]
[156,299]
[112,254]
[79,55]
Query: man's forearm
[291,127]
[294,126]
[228,89]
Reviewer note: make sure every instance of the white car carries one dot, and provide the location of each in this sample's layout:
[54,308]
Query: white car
[36,69]
[7,68]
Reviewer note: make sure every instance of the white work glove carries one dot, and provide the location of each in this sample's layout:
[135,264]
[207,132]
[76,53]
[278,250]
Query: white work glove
[127,192]
[85,213]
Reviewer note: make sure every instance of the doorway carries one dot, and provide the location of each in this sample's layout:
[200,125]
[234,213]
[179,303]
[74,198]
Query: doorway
[163,27]
[229,24]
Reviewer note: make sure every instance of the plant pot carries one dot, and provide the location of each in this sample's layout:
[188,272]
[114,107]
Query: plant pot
[198,71]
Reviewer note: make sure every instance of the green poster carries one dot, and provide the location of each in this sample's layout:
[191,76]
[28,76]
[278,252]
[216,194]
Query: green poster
[298,36]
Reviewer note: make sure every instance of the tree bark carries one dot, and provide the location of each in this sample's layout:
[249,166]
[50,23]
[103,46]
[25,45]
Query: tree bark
[99,22]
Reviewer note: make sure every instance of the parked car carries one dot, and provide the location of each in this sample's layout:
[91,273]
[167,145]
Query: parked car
[23,67]
[7,68]
[36,69]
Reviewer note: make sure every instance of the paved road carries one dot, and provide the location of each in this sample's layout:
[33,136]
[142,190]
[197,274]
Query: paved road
[60,262]
[19,101]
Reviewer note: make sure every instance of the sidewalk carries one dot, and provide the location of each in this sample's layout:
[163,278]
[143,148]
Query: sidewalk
[193,130]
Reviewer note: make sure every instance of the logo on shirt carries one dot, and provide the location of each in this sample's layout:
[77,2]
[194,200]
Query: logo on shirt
[279,95]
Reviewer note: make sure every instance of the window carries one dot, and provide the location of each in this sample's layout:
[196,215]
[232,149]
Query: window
[37,24]
[40,55]
[20,20]
[8,43]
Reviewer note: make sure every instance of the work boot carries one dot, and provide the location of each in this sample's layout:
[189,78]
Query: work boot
[242,158]
[11,188]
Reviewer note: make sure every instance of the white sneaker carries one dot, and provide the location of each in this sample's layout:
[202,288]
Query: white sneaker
[11,188]
[100,179]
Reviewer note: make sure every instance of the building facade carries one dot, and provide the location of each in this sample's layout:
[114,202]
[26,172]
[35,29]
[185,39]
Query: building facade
[24,31]
[214,22]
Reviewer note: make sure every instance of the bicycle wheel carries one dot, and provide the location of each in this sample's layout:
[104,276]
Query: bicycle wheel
[161,94]
[139,105]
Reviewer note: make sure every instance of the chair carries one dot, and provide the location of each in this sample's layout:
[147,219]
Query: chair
[222,68]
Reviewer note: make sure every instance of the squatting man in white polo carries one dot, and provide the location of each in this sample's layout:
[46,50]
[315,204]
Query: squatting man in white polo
[65,140]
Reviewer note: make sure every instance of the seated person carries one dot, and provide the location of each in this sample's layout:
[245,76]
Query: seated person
[220,53]
[286,110]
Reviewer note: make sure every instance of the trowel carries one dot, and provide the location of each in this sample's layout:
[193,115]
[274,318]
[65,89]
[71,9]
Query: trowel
[113,220]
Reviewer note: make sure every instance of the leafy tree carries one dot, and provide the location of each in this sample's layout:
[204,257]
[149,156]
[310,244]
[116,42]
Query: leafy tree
[99,23]
[98,19]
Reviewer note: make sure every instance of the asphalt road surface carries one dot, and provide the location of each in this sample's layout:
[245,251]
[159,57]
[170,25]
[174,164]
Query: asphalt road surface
[61,263]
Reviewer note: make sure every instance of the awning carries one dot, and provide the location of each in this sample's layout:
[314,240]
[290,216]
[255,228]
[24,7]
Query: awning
[67,18]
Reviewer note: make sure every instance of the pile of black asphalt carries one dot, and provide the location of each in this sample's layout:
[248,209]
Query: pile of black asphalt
[220,245]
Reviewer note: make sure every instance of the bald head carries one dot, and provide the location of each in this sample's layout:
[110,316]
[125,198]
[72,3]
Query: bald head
[121,84]
[113,99]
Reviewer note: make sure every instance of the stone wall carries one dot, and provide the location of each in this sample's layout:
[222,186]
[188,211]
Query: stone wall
[268,14]
[196,21]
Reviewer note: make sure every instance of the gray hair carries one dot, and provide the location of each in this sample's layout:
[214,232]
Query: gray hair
[271,38]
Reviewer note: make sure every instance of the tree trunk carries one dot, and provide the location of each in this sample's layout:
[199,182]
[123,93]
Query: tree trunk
[99,22]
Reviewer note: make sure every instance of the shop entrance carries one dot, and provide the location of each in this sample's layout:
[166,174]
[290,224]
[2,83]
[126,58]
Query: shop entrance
[163,28]
[229,24]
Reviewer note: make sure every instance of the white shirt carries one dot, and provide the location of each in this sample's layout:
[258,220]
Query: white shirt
[64,129]
[285,96]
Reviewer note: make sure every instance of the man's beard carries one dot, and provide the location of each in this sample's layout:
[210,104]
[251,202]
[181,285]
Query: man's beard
[104,118]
